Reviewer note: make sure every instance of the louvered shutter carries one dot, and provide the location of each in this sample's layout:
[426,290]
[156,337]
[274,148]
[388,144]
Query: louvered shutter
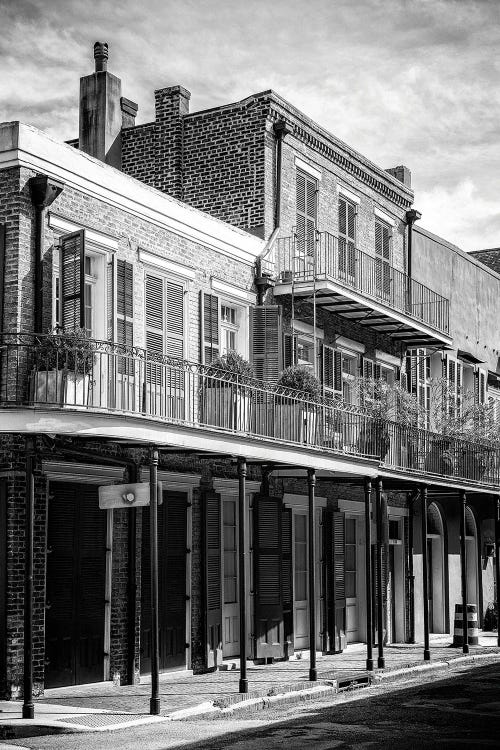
[2,274]
[267,555]
[213,580]
[111,299]
[480,386]
[368,368]
[382,259]
[155,331]
[287,578]
[334,541]
[265,341]
[332,371]
[306,212]
[289,350]
[209,327]
[125,312]
[72,280]
[347,240]
[175,319]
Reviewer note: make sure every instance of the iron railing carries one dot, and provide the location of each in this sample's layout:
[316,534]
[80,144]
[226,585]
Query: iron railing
[47,372]
[324,256]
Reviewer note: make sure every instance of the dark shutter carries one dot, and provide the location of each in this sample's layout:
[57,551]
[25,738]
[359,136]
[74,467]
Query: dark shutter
[347,240]
[382,260]
[269,636]
[332,371]
[2,273]
[125,312]
[306,213]
[155,330]
[334,526]
[368,368]
[213,579]
[287,578]
[265,341]
[289,350]
[72,275]
[209,325]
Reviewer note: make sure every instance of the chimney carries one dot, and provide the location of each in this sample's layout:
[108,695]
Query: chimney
[402,174]
[103,111]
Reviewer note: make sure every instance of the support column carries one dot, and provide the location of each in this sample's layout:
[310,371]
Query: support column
[133,477]
[463,573]
[425,572]
[154,704]
[242,518]
[380,598]
[497,563]
[311,484]
[28,705]
[266,472]
[368,574]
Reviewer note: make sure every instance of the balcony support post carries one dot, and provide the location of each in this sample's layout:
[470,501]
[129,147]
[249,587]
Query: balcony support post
[242,518]
[497,560]
[368,574]
[311,484]
[463,572]
[425,571]
[133,476]
[154,704]
[28,705]
[380,596]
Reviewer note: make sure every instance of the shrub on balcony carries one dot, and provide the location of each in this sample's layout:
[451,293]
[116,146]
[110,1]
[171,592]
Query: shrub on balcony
[300,378]
[225,397]
[296,417]
[73,351]
[232,363]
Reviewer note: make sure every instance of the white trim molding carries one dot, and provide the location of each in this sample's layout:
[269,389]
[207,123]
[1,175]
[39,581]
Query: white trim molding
[385,217]
[62,226]
[387,359]
[348,194]
[61,471]
[230,487]
[302,501]
[235,292]
[173,480]
[308,168]
[156,261]
[342,342]
[307,329]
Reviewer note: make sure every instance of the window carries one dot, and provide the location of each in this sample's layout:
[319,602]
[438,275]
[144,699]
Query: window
[347,240]
[224,325]
[349,372]
[418,375]
[350,557]
[89,294]
[306,217]
[453,375]
[229,327]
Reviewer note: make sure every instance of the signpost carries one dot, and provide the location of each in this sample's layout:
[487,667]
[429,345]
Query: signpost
[126,495]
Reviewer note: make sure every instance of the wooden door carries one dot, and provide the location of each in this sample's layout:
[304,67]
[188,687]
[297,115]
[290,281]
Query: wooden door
[335,604]
[230,580]
[269,631]
[76,566]
[172,530]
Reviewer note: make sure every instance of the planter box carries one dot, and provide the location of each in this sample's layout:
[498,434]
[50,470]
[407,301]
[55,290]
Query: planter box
[48,387]
[77,390]
[226,407]
[295,423]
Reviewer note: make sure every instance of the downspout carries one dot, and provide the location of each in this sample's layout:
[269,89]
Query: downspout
[411,217]
[262,279]
[43,191]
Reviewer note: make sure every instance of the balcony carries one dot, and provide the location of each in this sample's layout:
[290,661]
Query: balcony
[361,287]
[195,406]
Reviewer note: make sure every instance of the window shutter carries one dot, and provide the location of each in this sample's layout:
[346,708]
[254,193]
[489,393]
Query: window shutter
[337,371]
[269,635]
[334,540]
[289,350]
[175,319]
[376,371]
[111,299]
[213,580]
[155,321]
[480,386]
[332,371]
[72,275]
[209,323]
[368,368]
[306,210]
[287,576]
[2,274]
[265,341]
[125,312]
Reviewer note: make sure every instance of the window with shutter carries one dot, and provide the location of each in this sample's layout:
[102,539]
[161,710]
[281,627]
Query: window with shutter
[453,375]
[72,280]
[306,218]
[213,578]
[480,386]
[417,378]
[209,323]
[332,371]
[382,259]
[125,312]
[265,341]
[347,240]
[269,632]
[334,540]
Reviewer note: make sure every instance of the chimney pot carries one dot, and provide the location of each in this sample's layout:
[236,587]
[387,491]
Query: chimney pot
[101,56]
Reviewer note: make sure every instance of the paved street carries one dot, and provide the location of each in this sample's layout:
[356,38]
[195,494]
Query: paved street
[460,711]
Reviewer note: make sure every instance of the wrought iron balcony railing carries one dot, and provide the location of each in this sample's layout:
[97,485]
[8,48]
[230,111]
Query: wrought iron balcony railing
[326,257]
[46,372]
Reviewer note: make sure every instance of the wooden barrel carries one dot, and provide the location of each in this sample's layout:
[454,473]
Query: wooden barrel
[472,626]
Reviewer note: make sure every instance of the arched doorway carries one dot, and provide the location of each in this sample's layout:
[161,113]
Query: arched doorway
[436,572]
[472,558]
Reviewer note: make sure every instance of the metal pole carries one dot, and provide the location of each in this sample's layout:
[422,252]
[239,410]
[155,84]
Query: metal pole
[28,706]
[380,598]
[311,483]
[411,577]
[368,574]
[463,571]
[132,580]
[242,472]
[497,564]
[425,572]
[154,703]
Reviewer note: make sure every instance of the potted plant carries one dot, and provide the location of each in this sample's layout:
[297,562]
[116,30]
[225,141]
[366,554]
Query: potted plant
[63,368]
[298,392]
[225,392]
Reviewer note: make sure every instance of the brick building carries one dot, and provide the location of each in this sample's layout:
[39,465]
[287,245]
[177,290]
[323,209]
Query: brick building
[249,228]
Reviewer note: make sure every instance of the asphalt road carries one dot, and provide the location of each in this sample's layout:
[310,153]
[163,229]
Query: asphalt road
[461,711]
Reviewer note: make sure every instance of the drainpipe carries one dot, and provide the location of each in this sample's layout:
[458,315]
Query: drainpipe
[411,217]
[43,190]
[263,281]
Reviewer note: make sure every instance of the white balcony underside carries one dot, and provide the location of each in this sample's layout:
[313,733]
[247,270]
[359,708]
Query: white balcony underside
[363,309]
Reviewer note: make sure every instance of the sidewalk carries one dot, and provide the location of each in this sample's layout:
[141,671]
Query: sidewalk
[104,706]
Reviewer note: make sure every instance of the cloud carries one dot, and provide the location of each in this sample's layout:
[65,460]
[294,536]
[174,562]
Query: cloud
[402,81]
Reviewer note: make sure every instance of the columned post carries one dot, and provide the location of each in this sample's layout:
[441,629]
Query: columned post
[242,518]
[380,598]
[133,477]
[497,562]
[154,704]
[28,706]
[311,483]
[425,572]
[463,572]
[368,574]
[266,472]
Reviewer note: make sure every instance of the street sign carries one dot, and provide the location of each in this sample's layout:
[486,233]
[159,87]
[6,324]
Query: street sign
[126,495]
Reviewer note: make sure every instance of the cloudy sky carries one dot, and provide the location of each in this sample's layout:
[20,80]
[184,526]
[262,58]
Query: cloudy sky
[412,82]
